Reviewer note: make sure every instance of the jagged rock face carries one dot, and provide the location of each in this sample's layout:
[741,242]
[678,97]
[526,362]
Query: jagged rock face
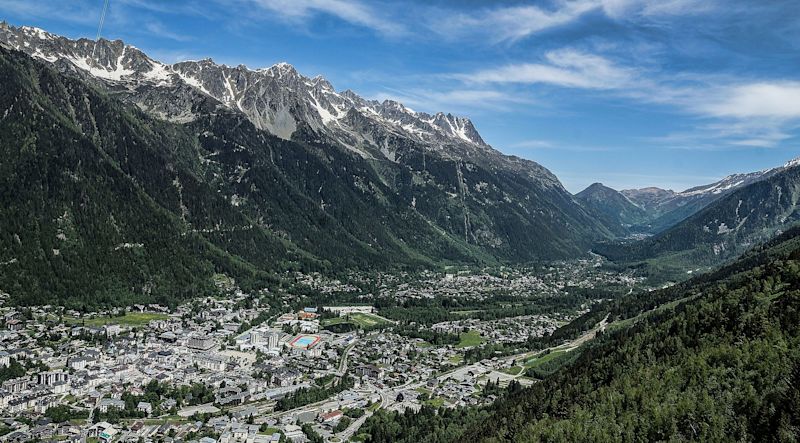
[277,99]
[436,167]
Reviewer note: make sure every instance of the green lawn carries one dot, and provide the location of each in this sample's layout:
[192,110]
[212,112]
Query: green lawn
[332,321]
[366,320]
[270,431]
[471,338]
[536,361]
[129,319]
[437,402]
[466,312]
[456,359]
[514,370]
[357,318]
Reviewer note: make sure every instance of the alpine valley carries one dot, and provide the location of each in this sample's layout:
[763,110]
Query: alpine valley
[254,172]
[202,253]
[241,171]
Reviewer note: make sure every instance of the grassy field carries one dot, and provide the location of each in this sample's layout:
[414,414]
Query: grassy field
[468,312]
[435,402]
[514,370]
[471,338]
[357,318]
[270,431]
[536,361]
[456,359]
[366,320]
[129,319]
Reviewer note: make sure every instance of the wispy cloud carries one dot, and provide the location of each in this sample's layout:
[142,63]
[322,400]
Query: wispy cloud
[515,22]
[726,134]
[532,144]
[354,12]
[536,145]
[729,111]
[566,67]
[160,30]
[622,9]
[774,100]
[454,100]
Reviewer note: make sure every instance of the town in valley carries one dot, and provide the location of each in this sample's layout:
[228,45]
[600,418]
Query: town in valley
[261,368]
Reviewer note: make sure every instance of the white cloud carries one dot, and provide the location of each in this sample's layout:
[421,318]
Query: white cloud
[513,23]
[455,100]
[621,9]
[354,12]
[532,144]
[729,112]
[565,67]
[775,100]
[160,30]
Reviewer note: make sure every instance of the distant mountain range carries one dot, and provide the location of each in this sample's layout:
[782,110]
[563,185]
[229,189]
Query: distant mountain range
[161,175]
[725,218]
[652,210]
[618,211]
[666,207]
[125,178]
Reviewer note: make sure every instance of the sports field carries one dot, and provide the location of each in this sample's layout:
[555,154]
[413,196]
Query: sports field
[129,319]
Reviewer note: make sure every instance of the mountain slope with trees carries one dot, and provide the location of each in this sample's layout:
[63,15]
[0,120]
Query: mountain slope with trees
[619,213]
[720,231]
[106,204]
[721,364]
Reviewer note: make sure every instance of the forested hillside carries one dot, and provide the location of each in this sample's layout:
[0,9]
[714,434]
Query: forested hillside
[720,231]
[91,213]
[618,213]
[721,365]
[106,204]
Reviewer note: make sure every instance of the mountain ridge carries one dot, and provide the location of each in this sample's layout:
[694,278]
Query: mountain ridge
[667,207]
[724,228]
[264,204]
[618,209]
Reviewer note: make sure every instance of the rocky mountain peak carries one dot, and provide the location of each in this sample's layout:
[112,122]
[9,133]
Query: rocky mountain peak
[277,99]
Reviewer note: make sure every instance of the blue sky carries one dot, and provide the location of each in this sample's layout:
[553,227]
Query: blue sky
[631,93]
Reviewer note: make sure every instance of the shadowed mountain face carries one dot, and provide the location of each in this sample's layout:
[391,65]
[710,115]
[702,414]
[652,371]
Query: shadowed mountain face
[205,168]
[724,228]
[666,208]
[617,210]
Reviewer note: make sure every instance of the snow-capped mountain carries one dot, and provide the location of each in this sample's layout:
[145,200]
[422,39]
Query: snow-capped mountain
[277,99]
[331,172]
[667,207]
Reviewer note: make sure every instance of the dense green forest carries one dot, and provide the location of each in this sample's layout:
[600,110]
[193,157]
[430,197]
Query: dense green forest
[721,365]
